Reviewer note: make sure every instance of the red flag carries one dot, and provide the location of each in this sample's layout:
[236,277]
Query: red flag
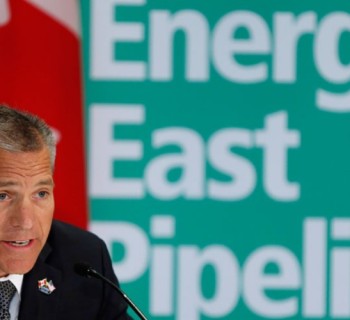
[40,72]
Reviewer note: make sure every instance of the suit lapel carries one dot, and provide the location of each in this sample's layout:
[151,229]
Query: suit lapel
[34,303]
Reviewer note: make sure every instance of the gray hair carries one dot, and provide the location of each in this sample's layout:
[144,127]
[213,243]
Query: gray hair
[24,132]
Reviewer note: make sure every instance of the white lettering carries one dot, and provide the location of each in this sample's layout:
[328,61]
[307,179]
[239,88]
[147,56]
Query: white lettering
[196,29]
[224,46]
[104,150]
[288,31]
[314,260]
[275,139]
[135,243]
[192,303]
[190,161]
[105,34]
[256,281]
[240,170]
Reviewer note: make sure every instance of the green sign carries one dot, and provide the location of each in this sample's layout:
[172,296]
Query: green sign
[218,141]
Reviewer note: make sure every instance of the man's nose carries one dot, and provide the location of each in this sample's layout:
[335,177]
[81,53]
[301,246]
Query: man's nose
[22,215]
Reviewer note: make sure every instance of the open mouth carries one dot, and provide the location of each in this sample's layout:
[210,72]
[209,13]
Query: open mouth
[19,243]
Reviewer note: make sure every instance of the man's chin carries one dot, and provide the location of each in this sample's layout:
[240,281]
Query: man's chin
[16,267]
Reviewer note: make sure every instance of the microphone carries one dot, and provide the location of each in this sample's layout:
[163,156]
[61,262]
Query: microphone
[85,270]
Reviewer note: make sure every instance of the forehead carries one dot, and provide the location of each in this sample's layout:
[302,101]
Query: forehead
[25,164]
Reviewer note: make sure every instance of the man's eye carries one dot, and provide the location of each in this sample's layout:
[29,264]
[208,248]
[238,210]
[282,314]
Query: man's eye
[3,196]
[42,194]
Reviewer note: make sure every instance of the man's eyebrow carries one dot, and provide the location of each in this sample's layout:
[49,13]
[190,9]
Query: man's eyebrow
[46,182]
[8,183]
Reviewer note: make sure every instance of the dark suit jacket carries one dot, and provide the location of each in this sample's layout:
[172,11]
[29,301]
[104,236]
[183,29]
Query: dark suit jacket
[75,297]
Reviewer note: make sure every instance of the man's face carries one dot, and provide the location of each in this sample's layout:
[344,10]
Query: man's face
[26,208]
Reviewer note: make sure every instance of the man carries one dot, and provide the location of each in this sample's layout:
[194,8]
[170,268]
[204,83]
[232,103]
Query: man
[38,254]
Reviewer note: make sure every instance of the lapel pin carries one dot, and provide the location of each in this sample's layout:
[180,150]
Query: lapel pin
[45,286]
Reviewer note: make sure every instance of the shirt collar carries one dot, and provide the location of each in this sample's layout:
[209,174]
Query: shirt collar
[16,279]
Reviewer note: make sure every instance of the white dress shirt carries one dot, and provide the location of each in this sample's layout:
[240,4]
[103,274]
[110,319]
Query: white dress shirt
[17,280]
